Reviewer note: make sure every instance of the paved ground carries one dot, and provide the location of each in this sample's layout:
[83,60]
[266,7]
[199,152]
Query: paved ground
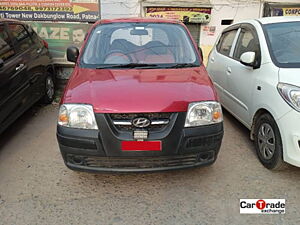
[36,188]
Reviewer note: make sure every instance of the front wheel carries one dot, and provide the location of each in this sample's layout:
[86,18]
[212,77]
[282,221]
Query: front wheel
[268,142]
[49,89]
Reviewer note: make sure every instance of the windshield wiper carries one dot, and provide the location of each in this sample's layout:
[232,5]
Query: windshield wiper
[129,65]
[183,65]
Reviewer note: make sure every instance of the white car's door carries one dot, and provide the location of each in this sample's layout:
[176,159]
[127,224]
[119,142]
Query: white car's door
[241,78]
[219,59]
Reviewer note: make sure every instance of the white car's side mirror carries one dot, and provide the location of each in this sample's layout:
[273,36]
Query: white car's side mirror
[248,58]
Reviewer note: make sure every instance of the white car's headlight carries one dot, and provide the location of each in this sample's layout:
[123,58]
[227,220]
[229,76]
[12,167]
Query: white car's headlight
[291,94]
[203,113]
[77,116]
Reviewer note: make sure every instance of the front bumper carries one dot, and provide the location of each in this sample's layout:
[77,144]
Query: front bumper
[100,150]
[290,135]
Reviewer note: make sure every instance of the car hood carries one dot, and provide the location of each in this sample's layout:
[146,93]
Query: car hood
[290,76]
[139,90]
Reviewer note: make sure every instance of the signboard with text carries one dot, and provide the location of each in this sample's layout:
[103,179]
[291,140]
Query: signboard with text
[60,36]
[186,15]
[291,11]
[50,10]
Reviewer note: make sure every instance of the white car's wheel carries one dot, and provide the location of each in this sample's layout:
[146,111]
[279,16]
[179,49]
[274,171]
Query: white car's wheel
[268,142]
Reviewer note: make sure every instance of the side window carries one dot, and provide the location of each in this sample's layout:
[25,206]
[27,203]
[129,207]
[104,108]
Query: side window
[20,36]
[226,41]
[6,48]
[246,43]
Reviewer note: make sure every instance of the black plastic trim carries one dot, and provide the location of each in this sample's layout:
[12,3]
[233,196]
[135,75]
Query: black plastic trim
[135,170]
[76,142]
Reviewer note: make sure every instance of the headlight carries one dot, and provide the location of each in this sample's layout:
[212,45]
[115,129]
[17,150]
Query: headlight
[291,94]
[203,113]
[77,116]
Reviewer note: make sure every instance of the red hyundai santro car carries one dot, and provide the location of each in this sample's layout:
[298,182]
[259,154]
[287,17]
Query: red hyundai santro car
[139,99]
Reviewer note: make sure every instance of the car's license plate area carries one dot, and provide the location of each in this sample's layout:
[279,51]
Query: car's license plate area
[141,146]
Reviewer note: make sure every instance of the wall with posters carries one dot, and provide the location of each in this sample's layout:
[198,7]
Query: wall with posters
[61,35]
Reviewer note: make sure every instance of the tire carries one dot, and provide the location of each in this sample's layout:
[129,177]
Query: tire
[49,89]
[268,143]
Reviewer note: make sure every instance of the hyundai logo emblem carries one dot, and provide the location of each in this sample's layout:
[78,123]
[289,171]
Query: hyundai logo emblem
[141,122]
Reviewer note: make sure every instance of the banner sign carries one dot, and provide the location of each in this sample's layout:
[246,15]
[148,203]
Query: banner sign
[49,10]
[291,11]
[60,36]
[186,15]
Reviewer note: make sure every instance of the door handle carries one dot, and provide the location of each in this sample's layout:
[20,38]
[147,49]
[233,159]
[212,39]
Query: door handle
[19,67]
[212,59]
[39,50]
[228,71]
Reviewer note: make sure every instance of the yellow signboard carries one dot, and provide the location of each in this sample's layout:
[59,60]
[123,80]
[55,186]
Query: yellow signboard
[291,11]
[186,15]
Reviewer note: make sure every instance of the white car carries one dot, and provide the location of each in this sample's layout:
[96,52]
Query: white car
[255,67]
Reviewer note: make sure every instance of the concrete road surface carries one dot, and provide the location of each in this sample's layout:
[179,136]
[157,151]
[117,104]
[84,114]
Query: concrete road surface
[36,187]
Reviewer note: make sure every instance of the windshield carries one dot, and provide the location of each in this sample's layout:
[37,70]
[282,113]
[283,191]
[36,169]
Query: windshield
[139,44]
[283,41]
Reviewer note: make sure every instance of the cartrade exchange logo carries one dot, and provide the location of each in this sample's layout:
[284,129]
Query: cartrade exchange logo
[262,206]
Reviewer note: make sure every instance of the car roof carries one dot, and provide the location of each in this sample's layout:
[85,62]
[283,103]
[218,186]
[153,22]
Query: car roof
[274,19]
[137,20]
[279,19]
[265,20]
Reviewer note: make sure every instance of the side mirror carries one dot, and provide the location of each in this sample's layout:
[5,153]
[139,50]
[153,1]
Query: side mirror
[72,54]
[1,63]
[248,59]
[201,52]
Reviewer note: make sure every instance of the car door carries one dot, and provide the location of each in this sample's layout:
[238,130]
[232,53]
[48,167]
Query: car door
[241,78]
[40,60]
[28,53]
[12,74]
[219,60]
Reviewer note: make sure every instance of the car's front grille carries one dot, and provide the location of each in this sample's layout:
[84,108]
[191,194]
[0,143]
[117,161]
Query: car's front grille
[124,121]
[140,162]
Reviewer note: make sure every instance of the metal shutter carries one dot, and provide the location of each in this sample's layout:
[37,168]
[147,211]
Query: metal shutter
[195,31]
